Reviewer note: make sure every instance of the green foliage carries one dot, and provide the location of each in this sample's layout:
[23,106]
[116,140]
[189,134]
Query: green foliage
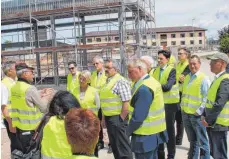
[224,39]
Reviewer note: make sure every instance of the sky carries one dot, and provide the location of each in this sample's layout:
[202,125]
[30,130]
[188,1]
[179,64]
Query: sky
[209,14]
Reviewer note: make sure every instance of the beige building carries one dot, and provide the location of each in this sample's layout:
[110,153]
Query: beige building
[184,36]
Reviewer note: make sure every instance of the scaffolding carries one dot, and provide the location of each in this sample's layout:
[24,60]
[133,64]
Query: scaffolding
[50,33]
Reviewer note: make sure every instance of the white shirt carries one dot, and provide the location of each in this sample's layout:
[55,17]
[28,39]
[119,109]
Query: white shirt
[5,92]
[219,74]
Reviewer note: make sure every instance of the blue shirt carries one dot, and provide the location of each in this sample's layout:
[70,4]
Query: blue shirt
[141,102]
[205,85]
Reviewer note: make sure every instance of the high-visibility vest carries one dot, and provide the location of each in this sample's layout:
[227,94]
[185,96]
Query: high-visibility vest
[88,100]
[172,61]
[171,96]
[72,84]
[155,120]
[54,144]
[98,83]
[81,157]
[179,70]
[23,116]
[223,118]
[151,72]
[111,104]
[191,95]
[9,84]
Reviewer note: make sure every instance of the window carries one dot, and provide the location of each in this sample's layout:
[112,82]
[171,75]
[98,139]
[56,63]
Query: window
[173,35]
[173,43]
[154,44]
[191,34]
[163,37]
[98,40]
[144,43]
[182,42]
[200,41]
[153,36]
[144,36]
[116,38]
[163,43]
[200,34]
[109,39]
[192,42]
[89,40]
[182,35]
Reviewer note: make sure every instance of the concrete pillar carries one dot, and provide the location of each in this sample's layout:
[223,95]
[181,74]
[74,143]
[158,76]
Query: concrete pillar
[84,58]
[55,57]
[36,38]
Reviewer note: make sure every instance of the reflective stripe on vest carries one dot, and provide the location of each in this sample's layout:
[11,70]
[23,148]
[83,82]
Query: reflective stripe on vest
[88,100]
[223,118]
[111,104]
[72,84]
[191,94]
[98,83]
[179,70]
[155,120]
[171,96]
[24,117]
[54,144]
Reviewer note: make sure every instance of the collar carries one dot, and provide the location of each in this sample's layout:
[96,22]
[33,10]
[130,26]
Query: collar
[23,80]
[10,79]
[195,74]
[100,72]
[164,67]
[219,74]
[142,78]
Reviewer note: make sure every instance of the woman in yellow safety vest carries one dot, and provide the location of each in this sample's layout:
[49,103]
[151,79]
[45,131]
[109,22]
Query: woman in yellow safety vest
[54,142]
[87,96]
[82,129]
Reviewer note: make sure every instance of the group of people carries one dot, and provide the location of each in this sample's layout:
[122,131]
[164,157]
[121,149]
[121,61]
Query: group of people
[139,113]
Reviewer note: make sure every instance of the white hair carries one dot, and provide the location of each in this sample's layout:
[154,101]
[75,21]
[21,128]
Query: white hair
[147,58]
[98,58]
[138,63]
[7,66]
[86,74]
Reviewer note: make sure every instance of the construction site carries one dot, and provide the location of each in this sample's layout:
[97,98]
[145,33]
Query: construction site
[47,34]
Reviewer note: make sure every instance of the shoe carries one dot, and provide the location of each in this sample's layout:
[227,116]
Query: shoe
[109,150]
[100,146]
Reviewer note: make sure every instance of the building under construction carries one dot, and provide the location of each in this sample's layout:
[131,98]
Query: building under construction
[49,33]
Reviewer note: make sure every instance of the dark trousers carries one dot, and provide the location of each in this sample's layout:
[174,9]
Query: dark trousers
[24,138]
[100,116]
[147,155]
[218,143]
[197,136]
[179,124]
[14,143]
[170,113]
[120,143]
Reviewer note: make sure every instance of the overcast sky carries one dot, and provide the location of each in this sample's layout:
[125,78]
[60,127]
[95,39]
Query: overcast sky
[209,14]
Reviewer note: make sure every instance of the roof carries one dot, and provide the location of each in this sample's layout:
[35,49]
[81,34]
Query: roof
[157,30]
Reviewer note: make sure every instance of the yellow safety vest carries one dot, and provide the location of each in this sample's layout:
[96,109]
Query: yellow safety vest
[24,117]
[191,95]
[172,61]
[9,84]
[54,144]
[98,83]
[111,104]
[72,84]
[223,118]
[155,120]
[88,100]
[81,157]
[179,70]
[171,96]
[151,72]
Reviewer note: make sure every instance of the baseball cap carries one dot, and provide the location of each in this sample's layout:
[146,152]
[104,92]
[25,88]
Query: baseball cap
[22,66]
[221,56]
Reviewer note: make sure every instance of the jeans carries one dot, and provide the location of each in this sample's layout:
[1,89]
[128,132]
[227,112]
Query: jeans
[147,155]
[197,136]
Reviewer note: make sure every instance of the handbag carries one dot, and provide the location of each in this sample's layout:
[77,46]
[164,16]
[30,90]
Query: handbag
[34,150]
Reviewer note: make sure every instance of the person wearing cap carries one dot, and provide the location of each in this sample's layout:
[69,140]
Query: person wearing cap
[217,107]
[149,62]
[73,76]
[194,96]
[27,105]
[7,83]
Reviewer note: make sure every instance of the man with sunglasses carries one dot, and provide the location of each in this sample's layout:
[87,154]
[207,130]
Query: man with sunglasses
[73,76]
[27,105]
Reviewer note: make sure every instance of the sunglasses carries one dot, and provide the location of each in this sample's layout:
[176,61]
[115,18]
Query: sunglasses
[71,68]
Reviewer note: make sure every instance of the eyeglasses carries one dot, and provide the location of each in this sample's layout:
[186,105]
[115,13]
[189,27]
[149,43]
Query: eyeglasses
[71,68]
[95,63]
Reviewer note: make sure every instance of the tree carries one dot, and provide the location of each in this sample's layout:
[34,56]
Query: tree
[224,39]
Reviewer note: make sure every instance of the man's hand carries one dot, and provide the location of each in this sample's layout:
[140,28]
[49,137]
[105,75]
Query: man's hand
[123,117]
[181,78]
[205,123]
[11,128]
